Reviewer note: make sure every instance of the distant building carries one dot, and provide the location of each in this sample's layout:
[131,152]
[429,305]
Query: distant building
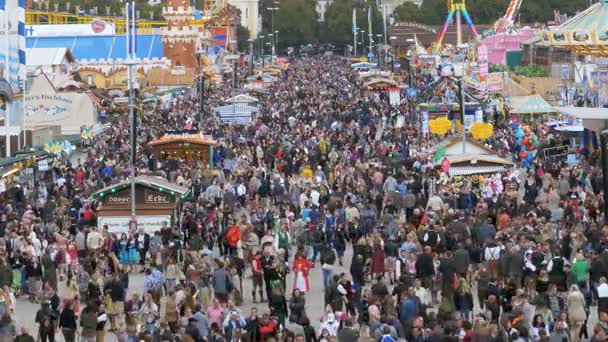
[250,17]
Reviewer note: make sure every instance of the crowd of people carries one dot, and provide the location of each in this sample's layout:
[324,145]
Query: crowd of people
[331,184]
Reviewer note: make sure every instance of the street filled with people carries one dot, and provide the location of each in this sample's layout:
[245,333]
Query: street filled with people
[329,199]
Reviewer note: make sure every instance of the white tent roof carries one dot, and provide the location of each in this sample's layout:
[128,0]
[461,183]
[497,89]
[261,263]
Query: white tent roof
[242,98]
[46,56]
[585,113]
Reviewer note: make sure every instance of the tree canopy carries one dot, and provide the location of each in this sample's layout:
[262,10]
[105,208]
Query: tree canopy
[297,22]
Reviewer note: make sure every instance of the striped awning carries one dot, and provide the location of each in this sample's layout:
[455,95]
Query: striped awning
[235,113]
[476,170]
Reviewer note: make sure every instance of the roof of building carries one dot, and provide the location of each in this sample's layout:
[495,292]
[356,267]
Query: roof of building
[47,56]
[100,47]
[151,182]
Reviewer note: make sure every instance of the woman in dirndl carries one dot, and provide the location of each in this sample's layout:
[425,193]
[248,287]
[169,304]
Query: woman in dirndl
[133,252]
[378,258]
[72,253]
[123,252]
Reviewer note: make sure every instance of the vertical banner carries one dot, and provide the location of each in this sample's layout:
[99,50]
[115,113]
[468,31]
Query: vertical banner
[355,31]
[479,115]
[394,96]
[425,123]
[12,55]
[482,59]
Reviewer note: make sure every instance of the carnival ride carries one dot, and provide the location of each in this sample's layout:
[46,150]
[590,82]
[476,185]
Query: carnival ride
[585,34]
[456,8]
[507,22]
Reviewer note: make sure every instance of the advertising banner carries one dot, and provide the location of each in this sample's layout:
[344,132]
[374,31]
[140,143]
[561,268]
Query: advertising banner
[427,64]
[120,224]
[96,27]
[71,111]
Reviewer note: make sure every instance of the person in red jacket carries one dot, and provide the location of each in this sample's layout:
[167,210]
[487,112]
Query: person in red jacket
[268,327]
[233,236]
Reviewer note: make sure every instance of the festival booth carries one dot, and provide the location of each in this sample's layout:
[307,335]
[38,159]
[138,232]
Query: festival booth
[364,66]
[379,84]
[588,122]
[529,108]
[243,99]
[156,205]
[255,91]
[186,145]
[473,158]
[237,113]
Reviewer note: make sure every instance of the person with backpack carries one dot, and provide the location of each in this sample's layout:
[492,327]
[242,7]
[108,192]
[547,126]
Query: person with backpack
[222,282]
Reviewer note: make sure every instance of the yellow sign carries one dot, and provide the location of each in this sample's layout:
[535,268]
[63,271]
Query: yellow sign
[363,59]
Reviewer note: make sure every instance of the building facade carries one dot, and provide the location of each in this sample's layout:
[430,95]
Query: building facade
[250,16]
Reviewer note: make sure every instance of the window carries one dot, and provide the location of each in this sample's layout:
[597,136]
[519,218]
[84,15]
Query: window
[246,13]
[90,79]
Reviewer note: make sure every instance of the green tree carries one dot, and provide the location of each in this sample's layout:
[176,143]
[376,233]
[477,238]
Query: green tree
[433,12]
[296,22]
[338,26]
[242,38]
[407,11]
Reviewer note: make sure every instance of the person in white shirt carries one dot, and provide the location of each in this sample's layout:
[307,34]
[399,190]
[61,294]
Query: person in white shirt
[602,295]
[315,195]
[423,295]
[330,324]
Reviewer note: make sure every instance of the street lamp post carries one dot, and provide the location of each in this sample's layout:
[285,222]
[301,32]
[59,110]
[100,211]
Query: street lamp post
[251,55]
[201,89]
[276,38]
[393,38]
[272,10]
[410,59]
[379,35]
[363,41]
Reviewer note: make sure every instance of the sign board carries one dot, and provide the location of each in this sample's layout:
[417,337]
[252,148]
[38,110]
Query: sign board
[122,99]
[154,197]
[494,81]
[97,27]
[565,72]
[120,224]
[43,165]
[118,199]
[45,107]
[482,59]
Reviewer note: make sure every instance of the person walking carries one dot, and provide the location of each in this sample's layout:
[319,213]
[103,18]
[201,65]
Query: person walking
[47,320]
[88,323]
[67,322]
[222,282]
[576,311]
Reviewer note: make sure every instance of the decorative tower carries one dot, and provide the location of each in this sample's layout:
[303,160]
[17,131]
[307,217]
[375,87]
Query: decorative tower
[180,37]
